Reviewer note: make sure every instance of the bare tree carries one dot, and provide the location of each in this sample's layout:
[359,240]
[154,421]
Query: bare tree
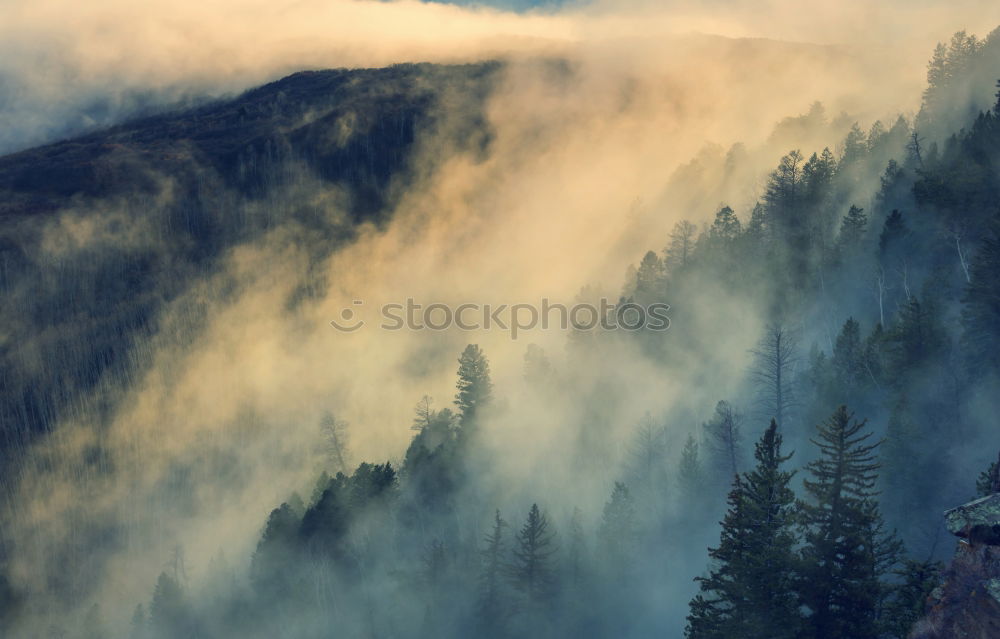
[682,239]
[957,231]
[775,359]
[880,289]
[913,147]
[424,413]
[335,440]
[723,438]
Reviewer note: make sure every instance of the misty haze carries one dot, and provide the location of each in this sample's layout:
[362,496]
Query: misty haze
[609,318]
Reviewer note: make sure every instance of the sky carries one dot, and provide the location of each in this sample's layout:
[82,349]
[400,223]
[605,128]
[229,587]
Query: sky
[67,67]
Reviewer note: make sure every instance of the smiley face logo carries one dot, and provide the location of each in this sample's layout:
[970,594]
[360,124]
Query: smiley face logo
[347,323]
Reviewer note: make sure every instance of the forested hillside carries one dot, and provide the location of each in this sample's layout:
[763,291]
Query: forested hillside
[146,208]
[803,502]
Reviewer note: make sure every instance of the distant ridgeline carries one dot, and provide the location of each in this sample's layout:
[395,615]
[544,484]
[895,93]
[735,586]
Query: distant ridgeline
[162,197]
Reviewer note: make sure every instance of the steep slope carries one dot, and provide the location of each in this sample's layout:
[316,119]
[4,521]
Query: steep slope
[99,231]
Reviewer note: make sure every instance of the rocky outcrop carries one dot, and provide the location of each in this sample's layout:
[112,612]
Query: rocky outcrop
[967,604]
[977,522]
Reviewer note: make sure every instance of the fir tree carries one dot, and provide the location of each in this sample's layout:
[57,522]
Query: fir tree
[894,231]
[726,227]
[335,441]
[784,197]
[846,554]
[679,253]
[749,593]
[915,580]
[757,230]
[848,357]
[433,465]
[818,173]
[724,439]
[855,147]
[475,389]
[690,473]
[272,567]
[981,312]
[648,278]
[647,465]
[617,533]
[423,414]
[435,577]
[775,360]
[532,572]
[491,609]
[915,340]
[852,228]
[168,615]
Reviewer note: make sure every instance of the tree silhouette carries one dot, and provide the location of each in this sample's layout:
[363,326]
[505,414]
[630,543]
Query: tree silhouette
[749,593]
[532,571]
[475,389]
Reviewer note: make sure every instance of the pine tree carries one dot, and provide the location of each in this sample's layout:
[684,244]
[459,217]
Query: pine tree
[647,465]
[726,227]
[617,533]
[876,136]
[915,580]
[678,254]
[137,627]
[435,577]
[848,357]
[757,226]
[423,413]
[915,339]
[818,173]
[491,609]
[775,359]
[937,82]
[846,553]
[690,473]
[852,229]
[475,389]
[784,196]
[749,593]
[724,438]
[433,464]
[981,312]
[323,528]
[894,231]
[855,146]
[532,572]
[335,441]
[168,611]
[649,278]
[905,481]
